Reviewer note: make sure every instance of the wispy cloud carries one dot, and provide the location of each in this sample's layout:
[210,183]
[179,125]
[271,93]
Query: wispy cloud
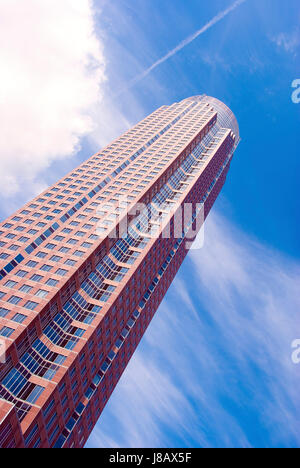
[290,41]
[52,74]
[215,367]
[216,19]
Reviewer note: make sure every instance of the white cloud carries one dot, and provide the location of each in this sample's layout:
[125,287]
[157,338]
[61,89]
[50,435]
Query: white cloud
[146,408]
[290,41]
[52,74]
[215,366]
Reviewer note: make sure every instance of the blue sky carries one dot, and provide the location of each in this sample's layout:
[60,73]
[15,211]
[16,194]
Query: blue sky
[214,368]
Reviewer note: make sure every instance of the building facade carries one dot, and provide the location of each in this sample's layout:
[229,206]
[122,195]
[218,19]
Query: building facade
[85,265]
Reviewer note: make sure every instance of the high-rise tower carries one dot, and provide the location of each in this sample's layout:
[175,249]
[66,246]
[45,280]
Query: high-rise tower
[85,265]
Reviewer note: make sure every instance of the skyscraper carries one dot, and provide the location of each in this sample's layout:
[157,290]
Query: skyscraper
[85,265]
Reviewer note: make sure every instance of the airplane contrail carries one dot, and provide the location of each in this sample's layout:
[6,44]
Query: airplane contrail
[184,43]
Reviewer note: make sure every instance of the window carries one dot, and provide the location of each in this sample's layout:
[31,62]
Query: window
[82,357]
[51,421]
[64,400]
[13,247]
[14,300]
[60,359]
[51,282]
[64,249]
[37,443]
[34,395]
[31,264]
[25,288]
[6,331]
[10,284]
[78,253]
[21,273]
[48,408]
[75,383]
[55,431]
[41,255]
[62,387]
[70,262]
[55,258]
[3,312]
[30,305]
[3,255]
[19,318]
[36,278]
[61,272]
[41,293]
[46,267]
[50,246]
[31,434]
[23,239]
